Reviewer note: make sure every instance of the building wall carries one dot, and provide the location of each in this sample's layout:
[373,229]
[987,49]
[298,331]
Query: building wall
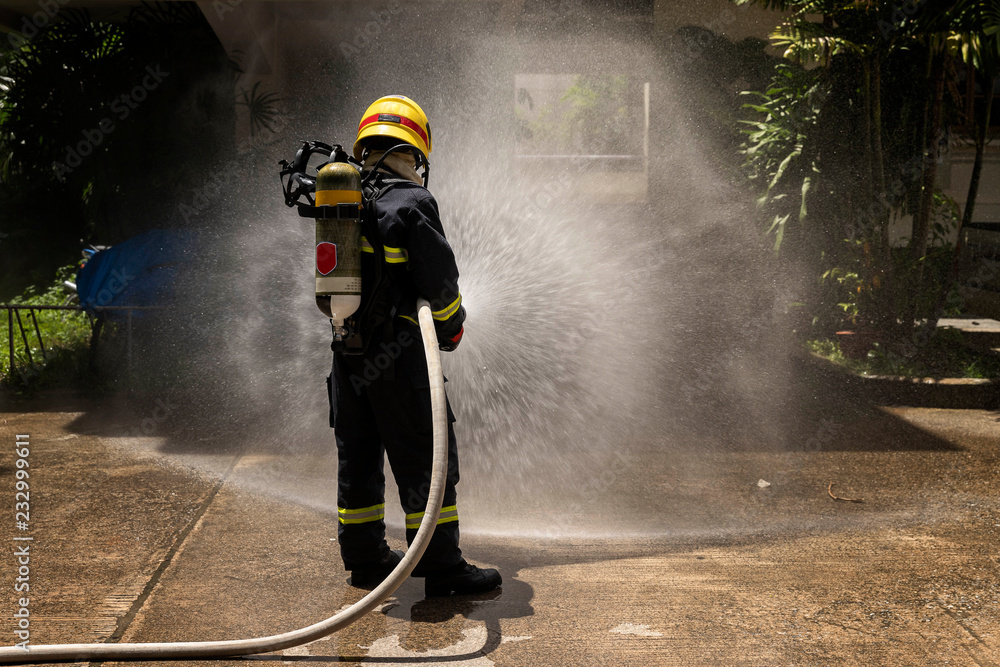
[957,172]
[720,16]
[458,59]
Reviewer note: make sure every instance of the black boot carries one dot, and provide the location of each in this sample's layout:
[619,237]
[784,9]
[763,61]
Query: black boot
[370,577]
[463,579]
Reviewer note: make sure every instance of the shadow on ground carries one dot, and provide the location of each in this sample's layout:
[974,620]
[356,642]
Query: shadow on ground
[812,395]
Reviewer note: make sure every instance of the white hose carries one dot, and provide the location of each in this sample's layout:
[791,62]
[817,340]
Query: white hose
[237,647]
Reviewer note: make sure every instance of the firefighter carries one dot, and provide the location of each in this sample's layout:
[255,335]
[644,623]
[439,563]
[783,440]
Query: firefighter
[380,401]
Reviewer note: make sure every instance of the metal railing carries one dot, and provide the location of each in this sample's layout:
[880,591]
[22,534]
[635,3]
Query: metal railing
[14,313]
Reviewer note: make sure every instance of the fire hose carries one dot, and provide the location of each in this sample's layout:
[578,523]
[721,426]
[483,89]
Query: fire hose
[238,647]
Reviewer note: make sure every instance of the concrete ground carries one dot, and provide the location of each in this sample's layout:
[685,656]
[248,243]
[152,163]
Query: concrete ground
[735,556]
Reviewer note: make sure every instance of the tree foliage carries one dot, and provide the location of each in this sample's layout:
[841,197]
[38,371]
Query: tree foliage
[775,142]
[847,149]
[100,124]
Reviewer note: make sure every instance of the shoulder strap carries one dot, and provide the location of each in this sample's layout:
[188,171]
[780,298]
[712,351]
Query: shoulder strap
[378,186]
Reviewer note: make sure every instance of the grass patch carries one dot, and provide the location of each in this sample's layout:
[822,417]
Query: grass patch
[945,355]
[66,338]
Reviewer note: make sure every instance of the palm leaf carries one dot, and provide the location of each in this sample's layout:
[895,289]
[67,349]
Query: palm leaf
[262,109]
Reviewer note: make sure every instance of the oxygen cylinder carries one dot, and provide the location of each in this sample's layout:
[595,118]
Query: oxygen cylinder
[338,243]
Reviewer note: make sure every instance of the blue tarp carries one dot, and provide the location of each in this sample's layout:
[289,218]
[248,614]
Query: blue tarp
[141,272]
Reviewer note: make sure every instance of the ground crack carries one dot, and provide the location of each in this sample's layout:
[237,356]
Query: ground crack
[126,620]
[979,659]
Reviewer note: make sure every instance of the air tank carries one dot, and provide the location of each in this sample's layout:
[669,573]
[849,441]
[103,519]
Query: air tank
[338,242]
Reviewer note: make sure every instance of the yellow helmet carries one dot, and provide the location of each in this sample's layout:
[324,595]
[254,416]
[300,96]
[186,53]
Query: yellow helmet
[397,117]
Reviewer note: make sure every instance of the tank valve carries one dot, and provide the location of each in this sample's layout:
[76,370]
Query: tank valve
[340,333]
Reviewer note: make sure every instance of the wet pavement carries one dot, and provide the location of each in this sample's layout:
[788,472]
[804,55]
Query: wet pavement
[702,554]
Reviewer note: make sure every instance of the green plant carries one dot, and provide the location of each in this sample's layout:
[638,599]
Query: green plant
[598,118]
[825,348]
[943,355]
[65,335]
[774,146]
[594,115]
[852,284]
[848,287]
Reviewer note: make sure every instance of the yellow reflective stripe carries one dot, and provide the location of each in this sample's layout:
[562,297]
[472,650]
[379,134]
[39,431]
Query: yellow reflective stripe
[395,255]
[448,310]
[330,197]
[392,255]
[363,515]
[448,514]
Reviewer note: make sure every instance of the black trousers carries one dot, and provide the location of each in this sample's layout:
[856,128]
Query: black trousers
[378,412]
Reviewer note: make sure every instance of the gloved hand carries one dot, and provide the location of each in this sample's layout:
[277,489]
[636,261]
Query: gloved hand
[449,344]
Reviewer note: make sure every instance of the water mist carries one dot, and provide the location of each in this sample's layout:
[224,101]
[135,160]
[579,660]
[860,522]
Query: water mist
[591,324]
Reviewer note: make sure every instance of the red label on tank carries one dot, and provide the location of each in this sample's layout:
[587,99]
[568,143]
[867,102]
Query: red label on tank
[326,257]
